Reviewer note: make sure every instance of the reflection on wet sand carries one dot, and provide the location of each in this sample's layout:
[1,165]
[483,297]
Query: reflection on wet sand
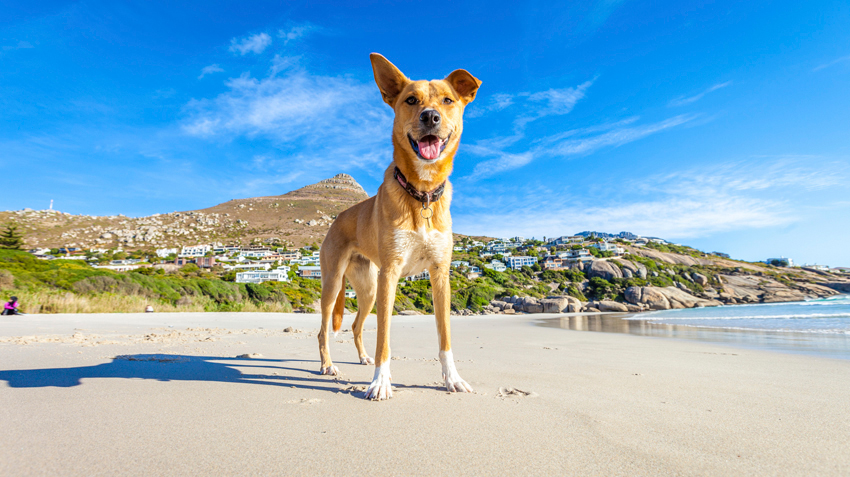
[826,345]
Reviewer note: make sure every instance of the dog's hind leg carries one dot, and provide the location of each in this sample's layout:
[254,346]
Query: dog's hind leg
[441,287]
[363,275]
[333,267]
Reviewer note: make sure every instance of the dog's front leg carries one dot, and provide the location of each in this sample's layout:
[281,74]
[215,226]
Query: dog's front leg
[381,387]
[441,287]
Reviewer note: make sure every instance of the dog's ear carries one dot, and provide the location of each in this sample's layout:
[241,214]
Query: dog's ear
[464,84]
[390,79]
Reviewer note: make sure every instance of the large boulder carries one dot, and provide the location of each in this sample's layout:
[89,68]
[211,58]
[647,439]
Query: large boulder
[606,305]
[632,269]
[700,279]
[603,269]
[650,296]
[554,304]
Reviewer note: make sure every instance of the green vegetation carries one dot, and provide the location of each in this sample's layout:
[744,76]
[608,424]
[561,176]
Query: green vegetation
[11,239]
[64,285]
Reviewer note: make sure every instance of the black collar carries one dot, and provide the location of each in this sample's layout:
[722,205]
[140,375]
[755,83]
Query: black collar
[425,197]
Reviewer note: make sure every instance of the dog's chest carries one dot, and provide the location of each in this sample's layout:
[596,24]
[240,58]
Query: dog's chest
[421,248]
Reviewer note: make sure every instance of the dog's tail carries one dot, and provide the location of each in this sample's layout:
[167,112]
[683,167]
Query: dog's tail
[339,308]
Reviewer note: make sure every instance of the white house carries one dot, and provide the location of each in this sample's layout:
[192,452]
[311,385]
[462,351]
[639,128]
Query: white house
[609,247]
[520,261]
[195,251]
[497,246]
[279,275]
[580,255]
[164,252]
[310,272]
[496,266]
[425,275]
[248,266]
[460,263]
[350,293]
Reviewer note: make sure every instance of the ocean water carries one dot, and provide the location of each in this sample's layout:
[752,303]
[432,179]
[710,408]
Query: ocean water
[814,327]
[825,316]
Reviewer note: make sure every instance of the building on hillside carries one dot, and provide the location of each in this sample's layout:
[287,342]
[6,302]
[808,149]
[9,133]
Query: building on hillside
[195,251]
[164,252]
[496,266]
[483,254]
[476,243]
[609,247]
[497,246]
[247,266]
[255,253]
[279,275]
[460,263]
[554,262]
[845,270]
[205,262]
[287,256]
[350,293]
[309,271]
[721,255]
[424,275]
[814,266]
[580,255]
[520,261]
[118,267]
[780,262]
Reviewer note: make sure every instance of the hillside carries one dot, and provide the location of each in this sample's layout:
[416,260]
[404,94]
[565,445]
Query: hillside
[296,218]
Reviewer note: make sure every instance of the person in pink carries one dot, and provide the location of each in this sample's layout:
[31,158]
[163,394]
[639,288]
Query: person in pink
[11,307]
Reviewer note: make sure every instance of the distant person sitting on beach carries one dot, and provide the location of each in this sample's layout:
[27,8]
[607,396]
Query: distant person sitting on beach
[11,307]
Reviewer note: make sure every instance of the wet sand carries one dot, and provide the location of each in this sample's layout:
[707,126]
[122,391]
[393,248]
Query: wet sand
[234,393]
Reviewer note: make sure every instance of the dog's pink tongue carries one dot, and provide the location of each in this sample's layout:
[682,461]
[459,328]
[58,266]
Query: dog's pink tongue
[429,147]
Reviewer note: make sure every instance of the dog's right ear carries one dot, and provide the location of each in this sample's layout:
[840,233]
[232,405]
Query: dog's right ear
[390,79]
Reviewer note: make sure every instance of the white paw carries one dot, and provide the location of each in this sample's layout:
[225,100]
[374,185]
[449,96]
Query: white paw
[454,383]
[457,385]
[366,360]
[381,387]
[331,370]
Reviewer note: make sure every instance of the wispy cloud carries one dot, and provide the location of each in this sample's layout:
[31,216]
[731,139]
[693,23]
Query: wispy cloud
[582,141]
[552,102]
[208,70]
[252,44]
[295,32]
[496,102]
[682,101]
[312,117]
[21,45]
[688,203]
[836,61]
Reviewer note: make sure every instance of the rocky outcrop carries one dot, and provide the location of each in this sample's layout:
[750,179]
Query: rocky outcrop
[614,306]
[665,298]
[603,269]
[632,269]
[550,304]
[673,258]
[699,279]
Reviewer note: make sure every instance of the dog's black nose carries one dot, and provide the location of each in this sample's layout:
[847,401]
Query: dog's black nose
[430,118]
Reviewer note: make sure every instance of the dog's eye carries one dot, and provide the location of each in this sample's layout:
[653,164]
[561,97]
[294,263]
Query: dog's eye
[448,100]
[411,100]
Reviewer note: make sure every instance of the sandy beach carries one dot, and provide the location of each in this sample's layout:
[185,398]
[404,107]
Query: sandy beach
[230,393]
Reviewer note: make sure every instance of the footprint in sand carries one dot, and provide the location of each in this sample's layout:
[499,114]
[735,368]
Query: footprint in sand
[513,392]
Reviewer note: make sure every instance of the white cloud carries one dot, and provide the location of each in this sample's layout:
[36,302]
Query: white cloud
[282,63]
[208,70]
[833,62]
[615,134]
[253,44]
[682,101]
[294,33]
[553,102]
[323,121]
[759,193]
[496,102]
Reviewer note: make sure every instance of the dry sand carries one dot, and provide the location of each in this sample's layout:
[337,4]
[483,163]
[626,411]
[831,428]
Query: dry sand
[229,393]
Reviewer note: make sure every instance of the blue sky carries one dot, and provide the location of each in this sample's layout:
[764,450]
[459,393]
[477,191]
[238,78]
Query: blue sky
[722,125]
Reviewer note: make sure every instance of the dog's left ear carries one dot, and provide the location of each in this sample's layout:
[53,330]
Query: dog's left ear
[464,84]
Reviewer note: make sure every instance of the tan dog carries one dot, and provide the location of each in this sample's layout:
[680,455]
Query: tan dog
[406,227]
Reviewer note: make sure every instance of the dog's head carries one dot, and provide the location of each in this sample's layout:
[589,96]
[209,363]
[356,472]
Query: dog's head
[428,114]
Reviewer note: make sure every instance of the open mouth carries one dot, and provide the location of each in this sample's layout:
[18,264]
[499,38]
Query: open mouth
[429,147]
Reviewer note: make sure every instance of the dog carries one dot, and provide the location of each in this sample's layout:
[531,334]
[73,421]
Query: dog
[405,228]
